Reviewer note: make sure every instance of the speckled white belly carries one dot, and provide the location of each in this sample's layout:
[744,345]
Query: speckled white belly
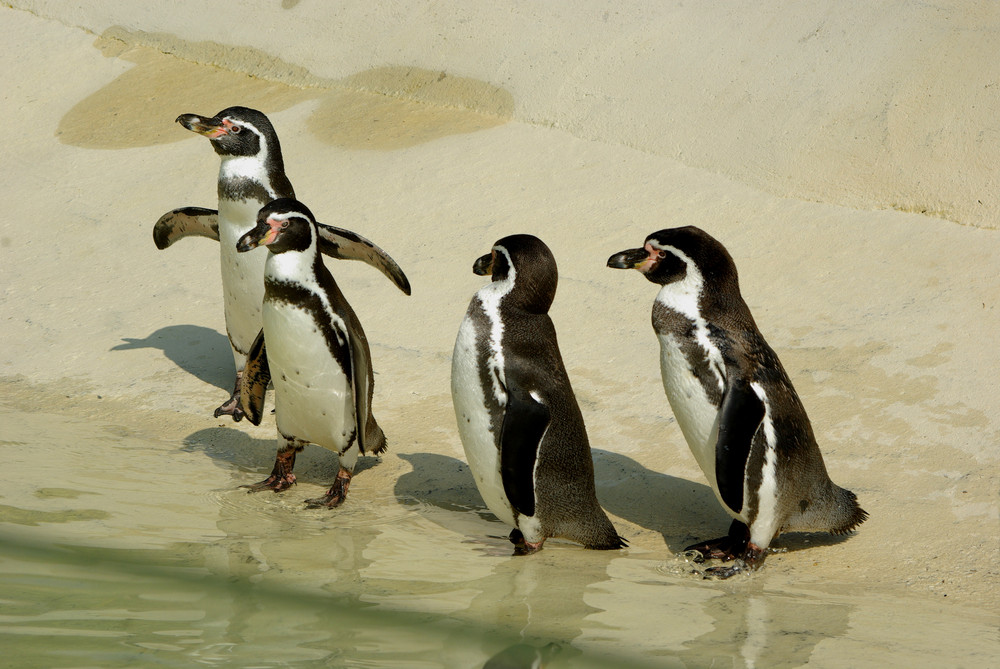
[474,424]
[242,276]
[697,417]
[313,399]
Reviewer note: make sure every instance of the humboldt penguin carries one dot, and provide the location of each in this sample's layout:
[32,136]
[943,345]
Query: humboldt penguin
[317,353]
[518,418]
[252,174]
[734,402]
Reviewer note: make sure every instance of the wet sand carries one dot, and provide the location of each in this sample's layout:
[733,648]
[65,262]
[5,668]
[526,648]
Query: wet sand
[115,354]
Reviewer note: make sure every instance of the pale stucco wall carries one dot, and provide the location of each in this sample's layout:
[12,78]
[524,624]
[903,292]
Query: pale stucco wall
[869,105]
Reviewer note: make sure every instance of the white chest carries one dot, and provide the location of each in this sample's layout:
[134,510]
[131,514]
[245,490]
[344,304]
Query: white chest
[473,418]
[242,273]
[312,395]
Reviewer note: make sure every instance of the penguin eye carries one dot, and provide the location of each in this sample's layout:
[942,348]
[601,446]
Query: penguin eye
[235,129]
[284,224]
[661,254]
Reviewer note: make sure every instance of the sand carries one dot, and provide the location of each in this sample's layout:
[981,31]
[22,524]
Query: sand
[868,258]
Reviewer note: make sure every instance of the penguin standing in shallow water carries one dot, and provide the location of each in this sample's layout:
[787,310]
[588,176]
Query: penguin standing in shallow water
[734,402]
[252,174]
[317,354]
[522,430]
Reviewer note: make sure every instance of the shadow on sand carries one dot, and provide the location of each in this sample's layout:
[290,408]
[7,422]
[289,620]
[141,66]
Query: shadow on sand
[682,511]
[199,351]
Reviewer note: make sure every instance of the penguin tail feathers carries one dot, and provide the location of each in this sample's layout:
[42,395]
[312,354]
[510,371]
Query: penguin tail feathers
[375,443]
[604,537]
[851,514]
[611,545]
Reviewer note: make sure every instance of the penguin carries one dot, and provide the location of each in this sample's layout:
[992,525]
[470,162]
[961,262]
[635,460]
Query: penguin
[251,174]
[517,416]
[734,402]
[316,351]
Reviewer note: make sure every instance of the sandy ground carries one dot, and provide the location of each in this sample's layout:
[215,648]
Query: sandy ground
[885,320]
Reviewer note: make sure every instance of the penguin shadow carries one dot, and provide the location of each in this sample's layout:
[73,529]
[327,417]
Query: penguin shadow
[678,509]
[232,448]
[440,481]
[682,511]
[195,349]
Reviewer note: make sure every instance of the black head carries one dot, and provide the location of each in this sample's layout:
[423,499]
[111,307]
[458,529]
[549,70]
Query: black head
[236,131]
[282,225]
[526,262]
[665,256]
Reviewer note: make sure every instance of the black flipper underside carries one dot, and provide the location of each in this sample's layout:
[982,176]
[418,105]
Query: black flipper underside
[524,422]
[346,245]
[359,385]
[335,242]
[740,416]
[185,222]
[256,376]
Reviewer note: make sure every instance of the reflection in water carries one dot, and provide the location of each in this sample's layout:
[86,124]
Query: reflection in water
[765,630]
[181,568]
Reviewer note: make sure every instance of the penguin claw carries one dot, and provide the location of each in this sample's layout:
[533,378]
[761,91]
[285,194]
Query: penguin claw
[335,496]
[273,482]
[726,572]
[715,549]
[750,560]
[231,407]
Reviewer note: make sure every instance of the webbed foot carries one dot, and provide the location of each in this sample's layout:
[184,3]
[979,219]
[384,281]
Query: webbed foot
[281,477]
[750,560]
[275,482]
[336,495]
[522,547]
[725,548]
[231,407]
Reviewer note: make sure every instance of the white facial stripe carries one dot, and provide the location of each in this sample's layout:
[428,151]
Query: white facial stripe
[296,266]
[682,296]
[764,525]
[490,296]
[248,167]
[287,216]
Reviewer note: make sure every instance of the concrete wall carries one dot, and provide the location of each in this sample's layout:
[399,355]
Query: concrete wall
[873,105]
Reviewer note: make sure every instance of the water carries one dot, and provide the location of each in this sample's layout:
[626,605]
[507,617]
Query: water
[118,549]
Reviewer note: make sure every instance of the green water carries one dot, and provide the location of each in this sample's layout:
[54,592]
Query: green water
[119,549]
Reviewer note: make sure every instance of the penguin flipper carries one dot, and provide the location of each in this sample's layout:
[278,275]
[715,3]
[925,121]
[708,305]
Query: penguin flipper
[740,417]
[525,420]
[185,222]
[360,382]
[253,383]
[346,245]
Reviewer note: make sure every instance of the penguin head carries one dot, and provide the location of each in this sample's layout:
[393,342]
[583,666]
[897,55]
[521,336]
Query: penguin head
[236,131]
[524,265]
[282,225]
[667,254]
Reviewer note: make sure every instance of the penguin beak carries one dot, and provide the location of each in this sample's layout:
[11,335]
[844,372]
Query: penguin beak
[631,259]
[208,127]
[484,266]
[264,234]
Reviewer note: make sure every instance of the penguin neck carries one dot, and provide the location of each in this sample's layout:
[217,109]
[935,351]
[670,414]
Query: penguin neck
[260,177]
[493,293]
[685,297]
[298,267]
